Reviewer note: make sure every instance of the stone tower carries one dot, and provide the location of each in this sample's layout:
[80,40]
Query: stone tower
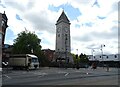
[63,44]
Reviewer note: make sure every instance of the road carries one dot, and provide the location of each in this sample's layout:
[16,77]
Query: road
[60,76]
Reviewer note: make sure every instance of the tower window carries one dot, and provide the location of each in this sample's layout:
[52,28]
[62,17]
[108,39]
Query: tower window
[115,56]
[100,56]
[58,35]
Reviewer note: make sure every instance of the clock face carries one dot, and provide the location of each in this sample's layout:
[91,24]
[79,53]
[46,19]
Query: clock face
[58,29]
[2,23]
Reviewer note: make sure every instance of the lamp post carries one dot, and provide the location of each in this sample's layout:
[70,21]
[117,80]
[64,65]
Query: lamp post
[77,65]
[102,54]
[92,54]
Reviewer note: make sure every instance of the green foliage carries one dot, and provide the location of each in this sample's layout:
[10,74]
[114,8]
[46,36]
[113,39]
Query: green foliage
[83,58]
[27,43]
[75,59]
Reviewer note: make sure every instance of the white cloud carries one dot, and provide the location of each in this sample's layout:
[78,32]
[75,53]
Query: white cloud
[36,17]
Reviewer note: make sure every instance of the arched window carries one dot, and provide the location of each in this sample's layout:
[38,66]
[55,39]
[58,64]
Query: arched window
[58,35]
[115,56]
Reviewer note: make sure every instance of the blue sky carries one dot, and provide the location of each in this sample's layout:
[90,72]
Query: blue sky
[72,12]
[93,22]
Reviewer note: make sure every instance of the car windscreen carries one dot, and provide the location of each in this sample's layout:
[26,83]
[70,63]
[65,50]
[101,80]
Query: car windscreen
[34,59]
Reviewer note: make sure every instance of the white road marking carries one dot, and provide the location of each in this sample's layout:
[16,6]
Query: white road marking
[7,76]
[66,74]
[61,72]
[77,71]
[41,74]
[0,76]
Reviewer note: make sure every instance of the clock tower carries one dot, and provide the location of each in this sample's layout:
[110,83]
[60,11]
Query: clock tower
[63,44]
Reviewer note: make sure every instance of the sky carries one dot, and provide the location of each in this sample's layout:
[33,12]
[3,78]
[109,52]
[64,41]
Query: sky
[93,22]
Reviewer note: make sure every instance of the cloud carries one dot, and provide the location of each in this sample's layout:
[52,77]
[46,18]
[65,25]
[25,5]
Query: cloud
[101,17]
[20,5]
[2,5]
[90,26]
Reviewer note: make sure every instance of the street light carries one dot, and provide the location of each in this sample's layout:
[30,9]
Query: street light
[77,65]
[102,53]
[92,54]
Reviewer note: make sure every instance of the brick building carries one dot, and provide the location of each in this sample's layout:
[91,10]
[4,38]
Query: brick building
[3,26]
[50,54]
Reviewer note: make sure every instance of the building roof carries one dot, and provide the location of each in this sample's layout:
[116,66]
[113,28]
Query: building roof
[48,50]
[63,17]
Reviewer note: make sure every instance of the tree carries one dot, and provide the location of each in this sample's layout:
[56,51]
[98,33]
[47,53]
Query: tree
[76,58]
[27,43]
[83,58]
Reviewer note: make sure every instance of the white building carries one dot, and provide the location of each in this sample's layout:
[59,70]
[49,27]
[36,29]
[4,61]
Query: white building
[109,57]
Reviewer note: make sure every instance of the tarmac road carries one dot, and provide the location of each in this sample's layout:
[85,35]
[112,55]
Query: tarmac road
[60,76]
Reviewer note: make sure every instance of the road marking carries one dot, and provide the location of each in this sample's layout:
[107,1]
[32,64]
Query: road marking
[40,74]
[0,76]
[66,74]
[7,76]
[77,71]
[61,72]
[87,73]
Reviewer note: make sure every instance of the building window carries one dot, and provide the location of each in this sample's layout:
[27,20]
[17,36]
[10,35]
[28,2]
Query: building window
[0,40]
[100,56]
[94,56]
[58,35]
[115,56]
[89,58]
[107,57]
